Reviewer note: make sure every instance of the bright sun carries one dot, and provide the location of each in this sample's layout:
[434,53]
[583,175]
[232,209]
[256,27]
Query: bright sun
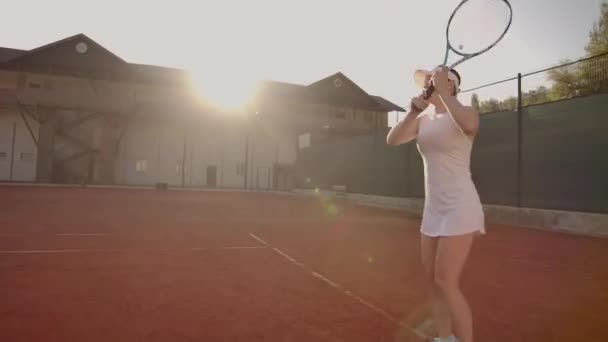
[230,92]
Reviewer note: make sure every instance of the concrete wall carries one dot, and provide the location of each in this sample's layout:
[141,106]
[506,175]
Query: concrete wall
[571,222]
[229,146]
[270,145]
[150,150]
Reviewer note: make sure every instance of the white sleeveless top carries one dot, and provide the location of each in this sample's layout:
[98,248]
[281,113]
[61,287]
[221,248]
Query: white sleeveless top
[451,204]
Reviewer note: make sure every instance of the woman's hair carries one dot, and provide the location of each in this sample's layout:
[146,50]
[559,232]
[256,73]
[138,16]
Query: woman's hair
[457,76]
[459,81]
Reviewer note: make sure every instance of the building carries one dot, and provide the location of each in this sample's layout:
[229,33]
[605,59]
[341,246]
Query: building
[74,112]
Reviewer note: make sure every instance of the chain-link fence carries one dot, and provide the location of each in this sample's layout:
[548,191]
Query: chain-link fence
[568,80]
[544,148]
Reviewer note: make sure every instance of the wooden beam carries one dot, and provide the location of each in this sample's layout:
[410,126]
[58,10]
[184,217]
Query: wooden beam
[29,128]
[80,121]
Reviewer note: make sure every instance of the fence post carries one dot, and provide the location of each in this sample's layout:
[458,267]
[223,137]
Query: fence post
[408,171]
[246,161]
[519,141]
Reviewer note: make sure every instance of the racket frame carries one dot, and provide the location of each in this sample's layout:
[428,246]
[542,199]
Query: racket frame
[465,56]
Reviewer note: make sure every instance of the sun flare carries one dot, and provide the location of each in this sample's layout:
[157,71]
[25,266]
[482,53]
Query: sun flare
[229,92]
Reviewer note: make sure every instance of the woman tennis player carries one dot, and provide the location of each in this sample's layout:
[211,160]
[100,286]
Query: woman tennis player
[453,214]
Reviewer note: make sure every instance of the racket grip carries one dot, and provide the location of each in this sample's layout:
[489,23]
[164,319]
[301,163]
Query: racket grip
[429,91]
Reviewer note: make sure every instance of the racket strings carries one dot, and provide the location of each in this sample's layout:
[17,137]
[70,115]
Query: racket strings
[477,25]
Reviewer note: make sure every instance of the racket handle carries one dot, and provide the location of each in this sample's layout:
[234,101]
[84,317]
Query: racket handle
[429,91]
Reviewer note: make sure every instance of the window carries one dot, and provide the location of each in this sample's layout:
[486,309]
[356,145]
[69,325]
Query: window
[304,140]
[34,85]
[3,156]
[340,115]
[141,165]
[26,156]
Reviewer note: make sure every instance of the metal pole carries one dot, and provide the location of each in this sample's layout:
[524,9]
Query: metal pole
[408,171]
[246,165]
[90,178]
[519,141]
[184,160]
[10,175]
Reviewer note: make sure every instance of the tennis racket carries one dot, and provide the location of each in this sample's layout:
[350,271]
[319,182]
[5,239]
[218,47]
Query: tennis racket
[475,27]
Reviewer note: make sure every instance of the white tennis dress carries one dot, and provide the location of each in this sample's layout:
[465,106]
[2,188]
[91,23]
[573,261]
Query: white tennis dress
[451,204]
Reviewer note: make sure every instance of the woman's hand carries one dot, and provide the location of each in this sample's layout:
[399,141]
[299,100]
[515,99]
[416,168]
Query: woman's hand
[419,104]
[440,81]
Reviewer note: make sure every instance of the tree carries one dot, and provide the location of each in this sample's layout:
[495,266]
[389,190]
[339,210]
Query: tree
[565,82]
[592,77]
[587,77]
[510,103]
[491,105]
[535,96]
[598,37]
[475,102]
[582,78]
[592,73]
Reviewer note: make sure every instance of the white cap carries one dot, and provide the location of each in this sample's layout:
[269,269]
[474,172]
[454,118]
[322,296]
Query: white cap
[421,76]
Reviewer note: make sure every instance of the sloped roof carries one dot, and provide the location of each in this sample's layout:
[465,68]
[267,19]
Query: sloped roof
[77,37]
[386,104]
[317,91]
[273,89]
[7,54]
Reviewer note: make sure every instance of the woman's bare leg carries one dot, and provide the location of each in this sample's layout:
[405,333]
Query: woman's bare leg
[450,258]
[441,314]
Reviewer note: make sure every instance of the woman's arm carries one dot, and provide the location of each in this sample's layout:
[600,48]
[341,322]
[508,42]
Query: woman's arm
[466,117]
[407,129]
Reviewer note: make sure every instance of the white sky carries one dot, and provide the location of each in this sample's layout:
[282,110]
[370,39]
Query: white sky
[230,44]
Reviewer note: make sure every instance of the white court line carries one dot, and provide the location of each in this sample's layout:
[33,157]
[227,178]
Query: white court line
[292,260]
[257,238]
[320,276]
[59,251]
[347,292]
[44,251]
[227,248]
[84,234]
[246,247]
[58,234]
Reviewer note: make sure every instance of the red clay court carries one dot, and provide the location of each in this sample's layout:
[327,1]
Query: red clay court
[82,264]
